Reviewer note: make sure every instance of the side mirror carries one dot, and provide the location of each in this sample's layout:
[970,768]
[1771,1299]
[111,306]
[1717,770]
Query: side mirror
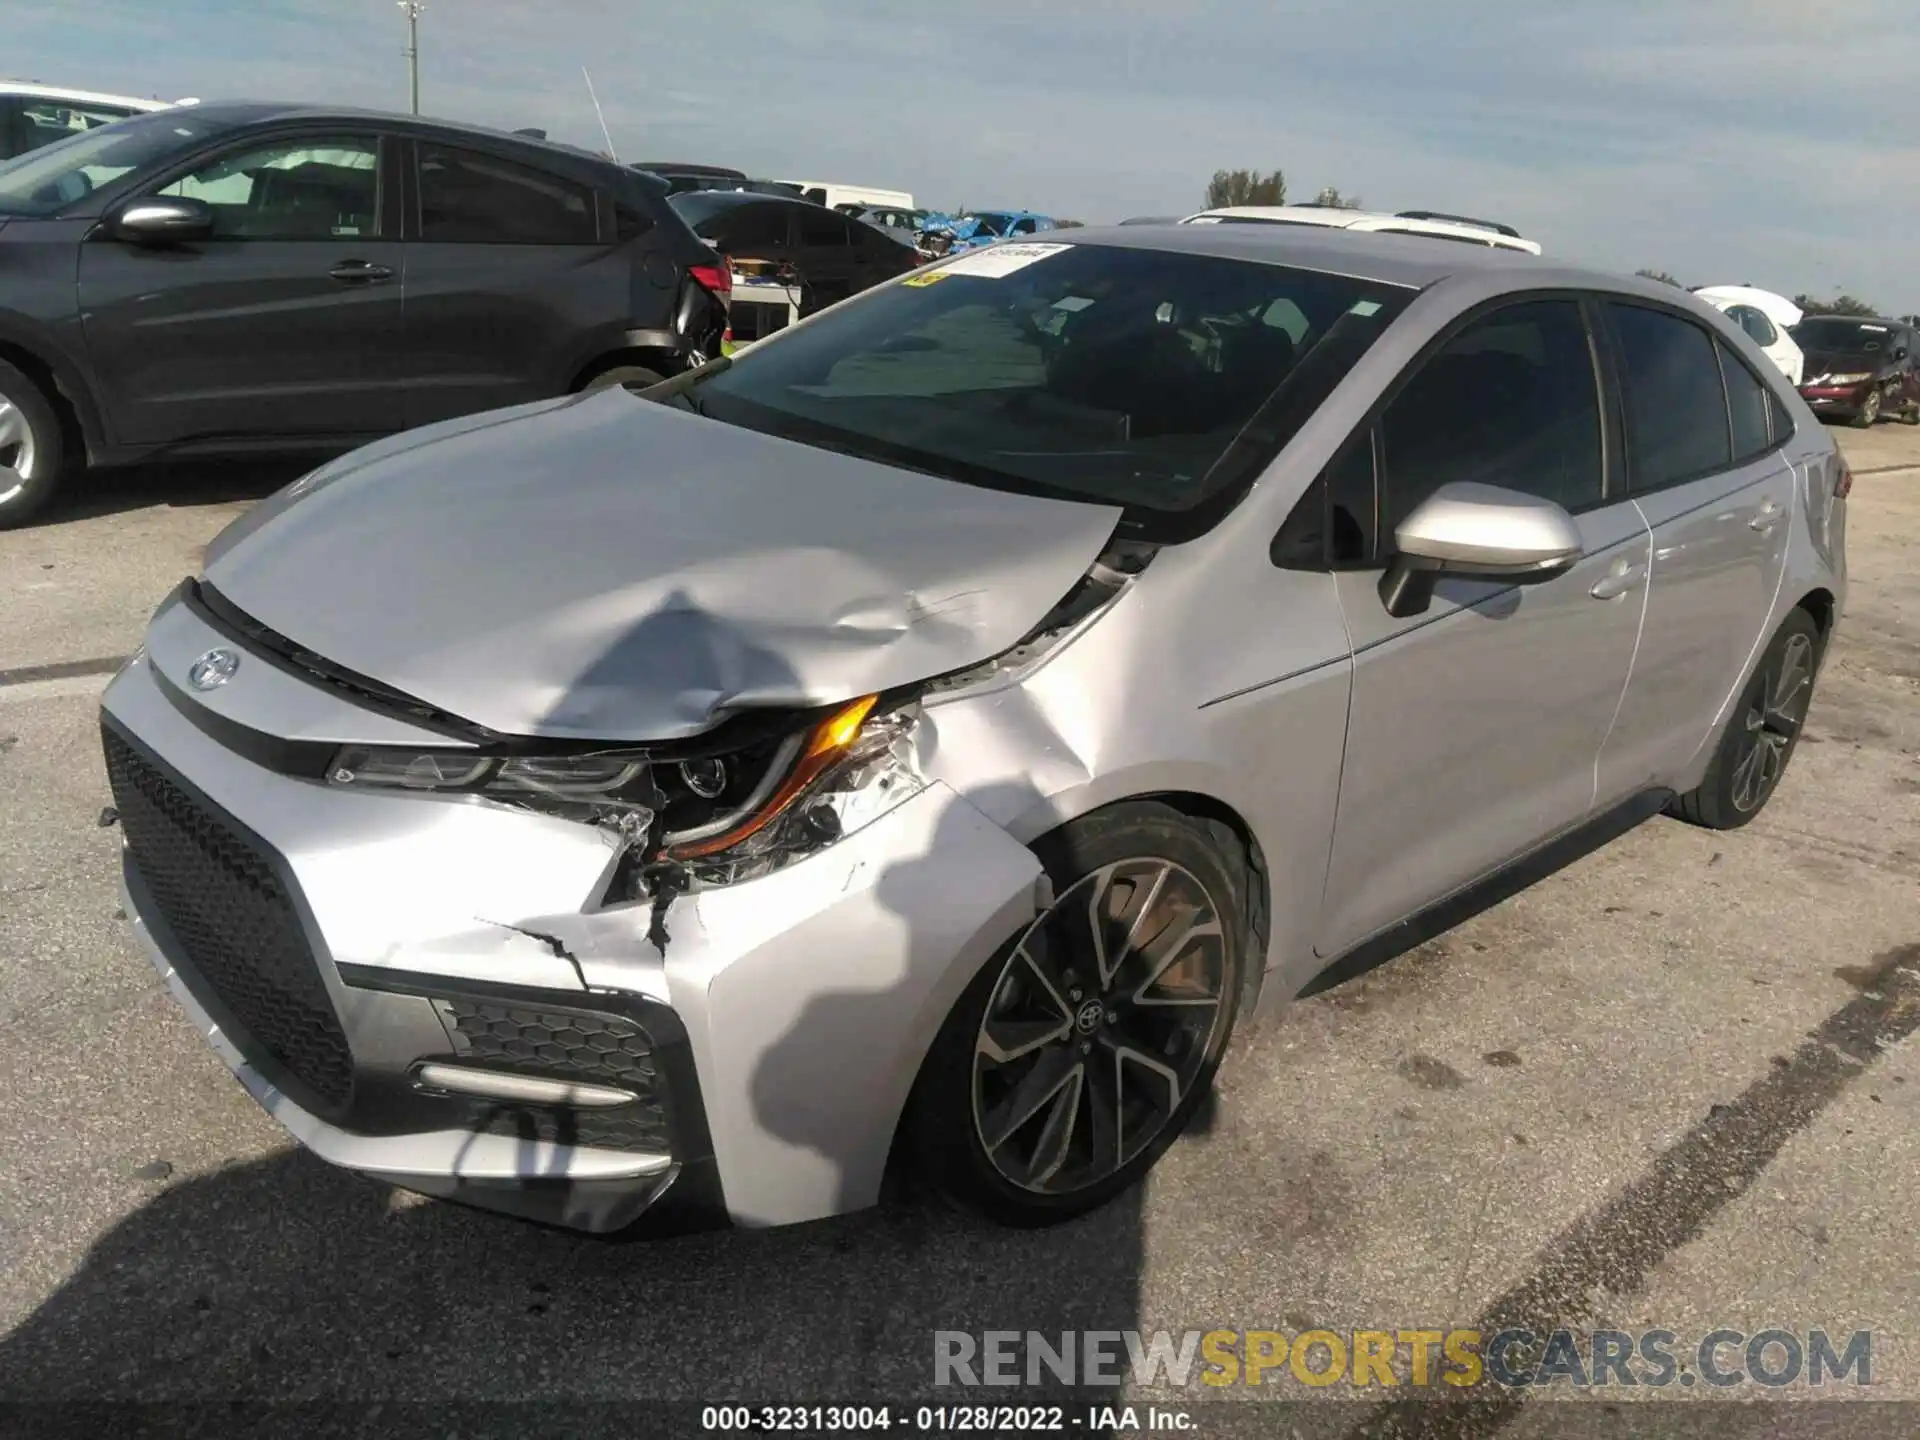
[1482,531]
[162,219]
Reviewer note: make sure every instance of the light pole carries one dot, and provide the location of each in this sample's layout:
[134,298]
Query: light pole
[413,9]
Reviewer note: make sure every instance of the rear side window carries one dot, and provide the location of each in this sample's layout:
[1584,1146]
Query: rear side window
[44,121]
[1676,406]
[750,230]
[822,228]
[467,198]
[1511,401]
[1747,407]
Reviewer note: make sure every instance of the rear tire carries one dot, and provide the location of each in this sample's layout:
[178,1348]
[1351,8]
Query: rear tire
[32,448]
[1869,411]
[1761,734]
[1067,1067]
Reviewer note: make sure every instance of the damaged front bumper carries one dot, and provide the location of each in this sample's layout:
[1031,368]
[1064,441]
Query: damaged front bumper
[428,990]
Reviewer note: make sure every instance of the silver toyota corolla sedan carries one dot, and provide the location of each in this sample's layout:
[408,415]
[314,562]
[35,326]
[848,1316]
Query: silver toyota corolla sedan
[923,738]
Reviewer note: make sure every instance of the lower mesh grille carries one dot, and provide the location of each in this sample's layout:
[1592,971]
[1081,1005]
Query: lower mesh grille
[227,908]
[562,1045]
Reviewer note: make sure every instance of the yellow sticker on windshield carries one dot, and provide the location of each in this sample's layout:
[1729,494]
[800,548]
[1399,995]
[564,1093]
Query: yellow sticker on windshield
[926,279]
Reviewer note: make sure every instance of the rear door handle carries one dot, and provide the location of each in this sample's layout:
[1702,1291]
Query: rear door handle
[1624,576]
[1766,517]
[360,272]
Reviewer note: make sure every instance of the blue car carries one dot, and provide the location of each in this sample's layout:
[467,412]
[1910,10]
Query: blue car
[982,227]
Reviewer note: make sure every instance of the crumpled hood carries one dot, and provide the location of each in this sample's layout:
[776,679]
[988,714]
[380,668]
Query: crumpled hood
[611,568]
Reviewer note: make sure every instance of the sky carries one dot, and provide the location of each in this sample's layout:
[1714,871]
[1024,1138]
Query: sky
[1775,142]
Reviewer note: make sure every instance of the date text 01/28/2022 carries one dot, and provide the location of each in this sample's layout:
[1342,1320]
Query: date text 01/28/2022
[975,1419]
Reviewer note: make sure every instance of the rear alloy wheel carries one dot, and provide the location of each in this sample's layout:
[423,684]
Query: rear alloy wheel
[1869,411]
[1762,733]
[31,452]
[1079,1053]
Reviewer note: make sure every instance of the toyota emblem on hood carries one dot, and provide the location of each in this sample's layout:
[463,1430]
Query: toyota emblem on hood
[213,669]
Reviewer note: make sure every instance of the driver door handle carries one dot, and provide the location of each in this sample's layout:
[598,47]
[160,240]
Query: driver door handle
[360,272]
[1766,517]
[1624,576]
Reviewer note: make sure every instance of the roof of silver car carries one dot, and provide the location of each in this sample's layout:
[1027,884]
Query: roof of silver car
[1415,261]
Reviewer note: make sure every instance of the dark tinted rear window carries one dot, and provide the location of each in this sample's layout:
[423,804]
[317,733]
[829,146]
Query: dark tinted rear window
[1676,407]
[1111,374]
[1848,337]
[472,198]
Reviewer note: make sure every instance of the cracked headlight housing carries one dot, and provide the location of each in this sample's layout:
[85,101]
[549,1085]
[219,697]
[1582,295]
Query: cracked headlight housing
[718,813]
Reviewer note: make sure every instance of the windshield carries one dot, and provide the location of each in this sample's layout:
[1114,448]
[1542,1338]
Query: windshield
[49,179]
[1848,337]
[1160,382]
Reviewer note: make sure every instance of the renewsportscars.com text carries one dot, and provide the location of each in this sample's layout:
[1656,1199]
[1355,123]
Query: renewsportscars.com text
[1773,1358]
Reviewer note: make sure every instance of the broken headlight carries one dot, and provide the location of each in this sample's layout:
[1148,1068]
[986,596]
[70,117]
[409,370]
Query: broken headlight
[719,815]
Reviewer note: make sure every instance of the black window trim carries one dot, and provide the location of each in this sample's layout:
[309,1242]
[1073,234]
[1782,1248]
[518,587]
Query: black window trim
[1613,474]
[1775,442]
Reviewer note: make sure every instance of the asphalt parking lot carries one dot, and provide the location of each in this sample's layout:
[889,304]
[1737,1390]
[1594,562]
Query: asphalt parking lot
[1674,1086]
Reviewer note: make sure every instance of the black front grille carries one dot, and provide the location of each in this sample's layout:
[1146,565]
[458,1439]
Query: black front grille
[578,1046]
[231,914]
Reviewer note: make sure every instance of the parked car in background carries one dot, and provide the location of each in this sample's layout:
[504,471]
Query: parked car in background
[854,756]
[1860,369]
[974,228]
[1767,317]
[684,175]
[1151,220]
[827,255]
[902,224]
[681,178]
[248,276]
[1430,223]
[35,115]
[835,197]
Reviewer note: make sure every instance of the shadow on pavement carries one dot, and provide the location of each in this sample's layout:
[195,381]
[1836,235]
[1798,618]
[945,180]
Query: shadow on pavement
[205,480]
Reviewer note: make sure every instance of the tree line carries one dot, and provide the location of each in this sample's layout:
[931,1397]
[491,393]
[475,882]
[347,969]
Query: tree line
[1251,187]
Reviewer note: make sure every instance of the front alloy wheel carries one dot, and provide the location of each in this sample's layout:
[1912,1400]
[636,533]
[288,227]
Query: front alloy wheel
[1101,1020]
[1079,1053]
[30,447]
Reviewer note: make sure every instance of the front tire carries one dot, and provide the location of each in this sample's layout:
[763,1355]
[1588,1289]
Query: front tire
[32,449]
[1761,735]
[634,377]
[1080,1051]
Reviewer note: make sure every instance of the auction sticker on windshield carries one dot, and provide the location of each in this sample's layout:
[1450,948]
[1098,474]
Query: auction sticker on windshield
[1000,261]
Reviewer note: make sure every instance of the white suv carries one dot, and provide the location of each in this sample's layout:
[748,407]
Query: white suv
[36,115]
[1407,222]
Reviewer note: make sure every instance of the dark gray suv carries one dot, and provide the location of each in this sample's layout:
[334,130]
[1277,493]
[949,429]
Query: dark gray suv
[250,276]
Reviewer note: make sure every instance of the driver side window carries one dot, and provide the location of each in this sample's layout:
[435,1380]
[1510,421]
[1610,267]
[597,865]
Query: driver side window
[308,188]
[1511,400]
